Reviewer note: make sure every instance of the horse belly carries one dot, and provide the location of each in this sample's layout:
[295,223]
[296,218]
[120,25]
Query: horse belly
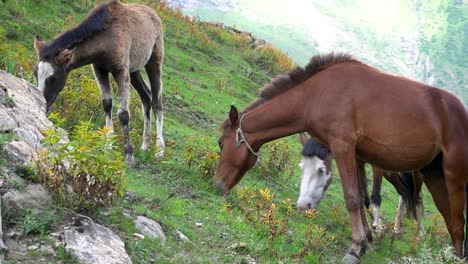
[401,154]
[140,54]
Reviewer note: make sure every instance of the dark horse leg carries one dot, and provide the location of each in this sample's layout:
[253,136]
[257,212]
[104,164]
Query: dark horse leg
[418,181]
[154,71]
[122,77]
[346,160]
[102,76]
[376,198]
[145,96]
[361,172]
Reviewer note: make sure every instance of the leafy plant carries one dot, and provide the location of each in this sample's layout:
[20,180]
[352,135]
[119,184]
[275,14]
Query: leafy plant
[90,164]
[198,154]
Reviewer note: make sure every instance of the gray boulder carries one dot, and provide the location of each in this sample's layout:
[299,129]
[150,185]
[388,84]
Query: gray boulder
[150,228]
[89,242]
[34,198]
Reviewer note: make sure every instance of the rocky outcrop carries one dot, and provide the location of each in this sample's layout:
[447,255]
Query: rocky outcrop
[22,112]
[89,242]
[34,198]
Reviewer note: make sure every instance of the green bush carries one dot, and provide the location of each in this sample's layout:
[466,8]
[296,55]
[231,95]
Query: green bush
[90,164]
[204,159]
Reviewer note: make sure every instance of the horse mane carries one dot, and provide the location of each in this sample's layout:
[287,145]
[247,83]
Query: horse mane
[297,75]
[312,148]
[285,82]
[97,20]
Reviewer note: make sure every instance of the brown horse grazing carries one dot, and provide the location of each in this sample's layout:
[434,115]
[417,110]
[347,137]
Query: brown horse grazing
[115,38]
[357,111]
[316,177]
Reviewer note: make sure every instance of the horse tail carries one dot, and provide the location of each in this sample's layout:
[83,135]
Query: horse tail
[410,197]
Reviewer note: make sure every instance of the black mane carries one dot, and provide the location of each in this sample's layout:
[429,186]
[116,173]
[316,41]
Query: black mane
[96,21]
[312,148]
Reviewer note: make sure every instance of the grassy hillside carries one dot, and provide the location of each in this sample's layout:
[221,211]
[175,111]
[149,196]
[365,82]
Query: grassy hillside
[206,70]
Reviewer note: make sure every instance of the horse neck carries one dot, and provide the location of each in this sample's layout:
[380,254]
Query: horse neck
[279,117]
[83,55]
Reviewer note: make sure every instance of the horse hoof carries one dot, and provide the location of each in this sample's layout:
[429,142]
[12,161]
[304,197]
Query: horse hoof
[130,160]
[144,147]
[159,154]
[397,235]
[350,259]
[377,229]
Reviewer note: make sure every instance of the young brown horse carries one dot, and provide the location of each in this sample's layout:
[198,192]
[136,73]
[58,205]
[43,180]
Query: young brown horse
[115,38]
[357,111]
[316,177]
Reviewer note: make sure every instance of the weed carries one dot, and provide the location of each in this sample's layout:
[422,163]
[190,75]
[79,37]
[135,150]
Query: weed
[201,156]
[27,172]
[89,163]
[8,101]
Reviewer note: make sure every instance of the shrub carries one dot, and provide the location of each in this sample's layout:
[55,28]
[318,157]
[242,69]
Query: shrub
[89,164]
[272,217]
[277,158]
[204,159]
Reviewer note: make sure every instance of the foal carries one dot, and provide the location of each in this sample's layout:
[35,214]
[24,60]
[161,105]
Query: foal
[115,38]
[316,177]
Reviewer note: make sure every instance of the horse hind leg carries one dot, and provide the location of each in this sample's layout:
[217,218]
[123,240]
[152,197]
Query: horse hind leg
[397,231]
[154,71]
[123,82]
[376,198]
[102,78]
[417,179]
[361,172]
[455,168]
[145,96]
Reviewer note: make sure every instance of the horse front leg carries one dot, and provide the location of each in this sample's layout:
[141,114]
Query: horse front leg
[102,77]
[122,78]
[344,154]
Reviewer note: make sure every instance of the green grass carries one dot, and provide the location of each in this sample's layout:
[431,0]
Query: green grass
[200,84]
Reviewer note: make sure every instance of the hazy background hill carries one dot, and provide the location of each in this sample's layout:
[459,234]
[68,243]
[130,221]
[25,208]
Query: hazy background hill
[423,40]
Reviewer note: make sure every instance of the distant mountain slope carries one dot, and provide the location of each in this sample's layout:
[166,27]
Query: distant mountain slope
[423,40]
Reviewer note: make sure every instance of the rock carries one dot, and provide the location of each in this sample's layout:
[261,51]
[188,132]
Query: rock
[198,224]
[26,118]
[89,242]
[240,247]
[180,236]
[19,152]
[3,247]
[33,247]
[150,228]
[350,259]
[34,198]
[138,236]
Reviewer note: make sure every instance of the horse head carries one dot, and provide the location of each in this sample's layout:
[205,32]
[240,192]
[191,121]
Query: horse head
[51,72]
[235,158]
[316,174]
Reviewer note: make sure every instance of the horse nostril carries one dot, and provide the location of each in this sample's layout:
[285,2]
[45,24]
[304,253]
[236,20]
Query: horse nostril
[309,206]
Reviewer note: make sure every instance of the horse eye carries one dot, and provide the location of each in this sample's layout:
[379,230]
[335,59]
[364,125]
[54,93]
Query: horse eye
[321,170]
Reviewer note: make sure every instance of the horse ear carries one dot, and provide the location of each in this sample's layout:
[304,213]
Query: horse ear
[64,56]
[233,115]
[38,43]
[303,138]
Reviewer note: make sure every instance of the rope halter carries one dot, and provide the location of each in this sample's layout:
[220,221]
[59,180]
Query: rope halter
[240,138]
